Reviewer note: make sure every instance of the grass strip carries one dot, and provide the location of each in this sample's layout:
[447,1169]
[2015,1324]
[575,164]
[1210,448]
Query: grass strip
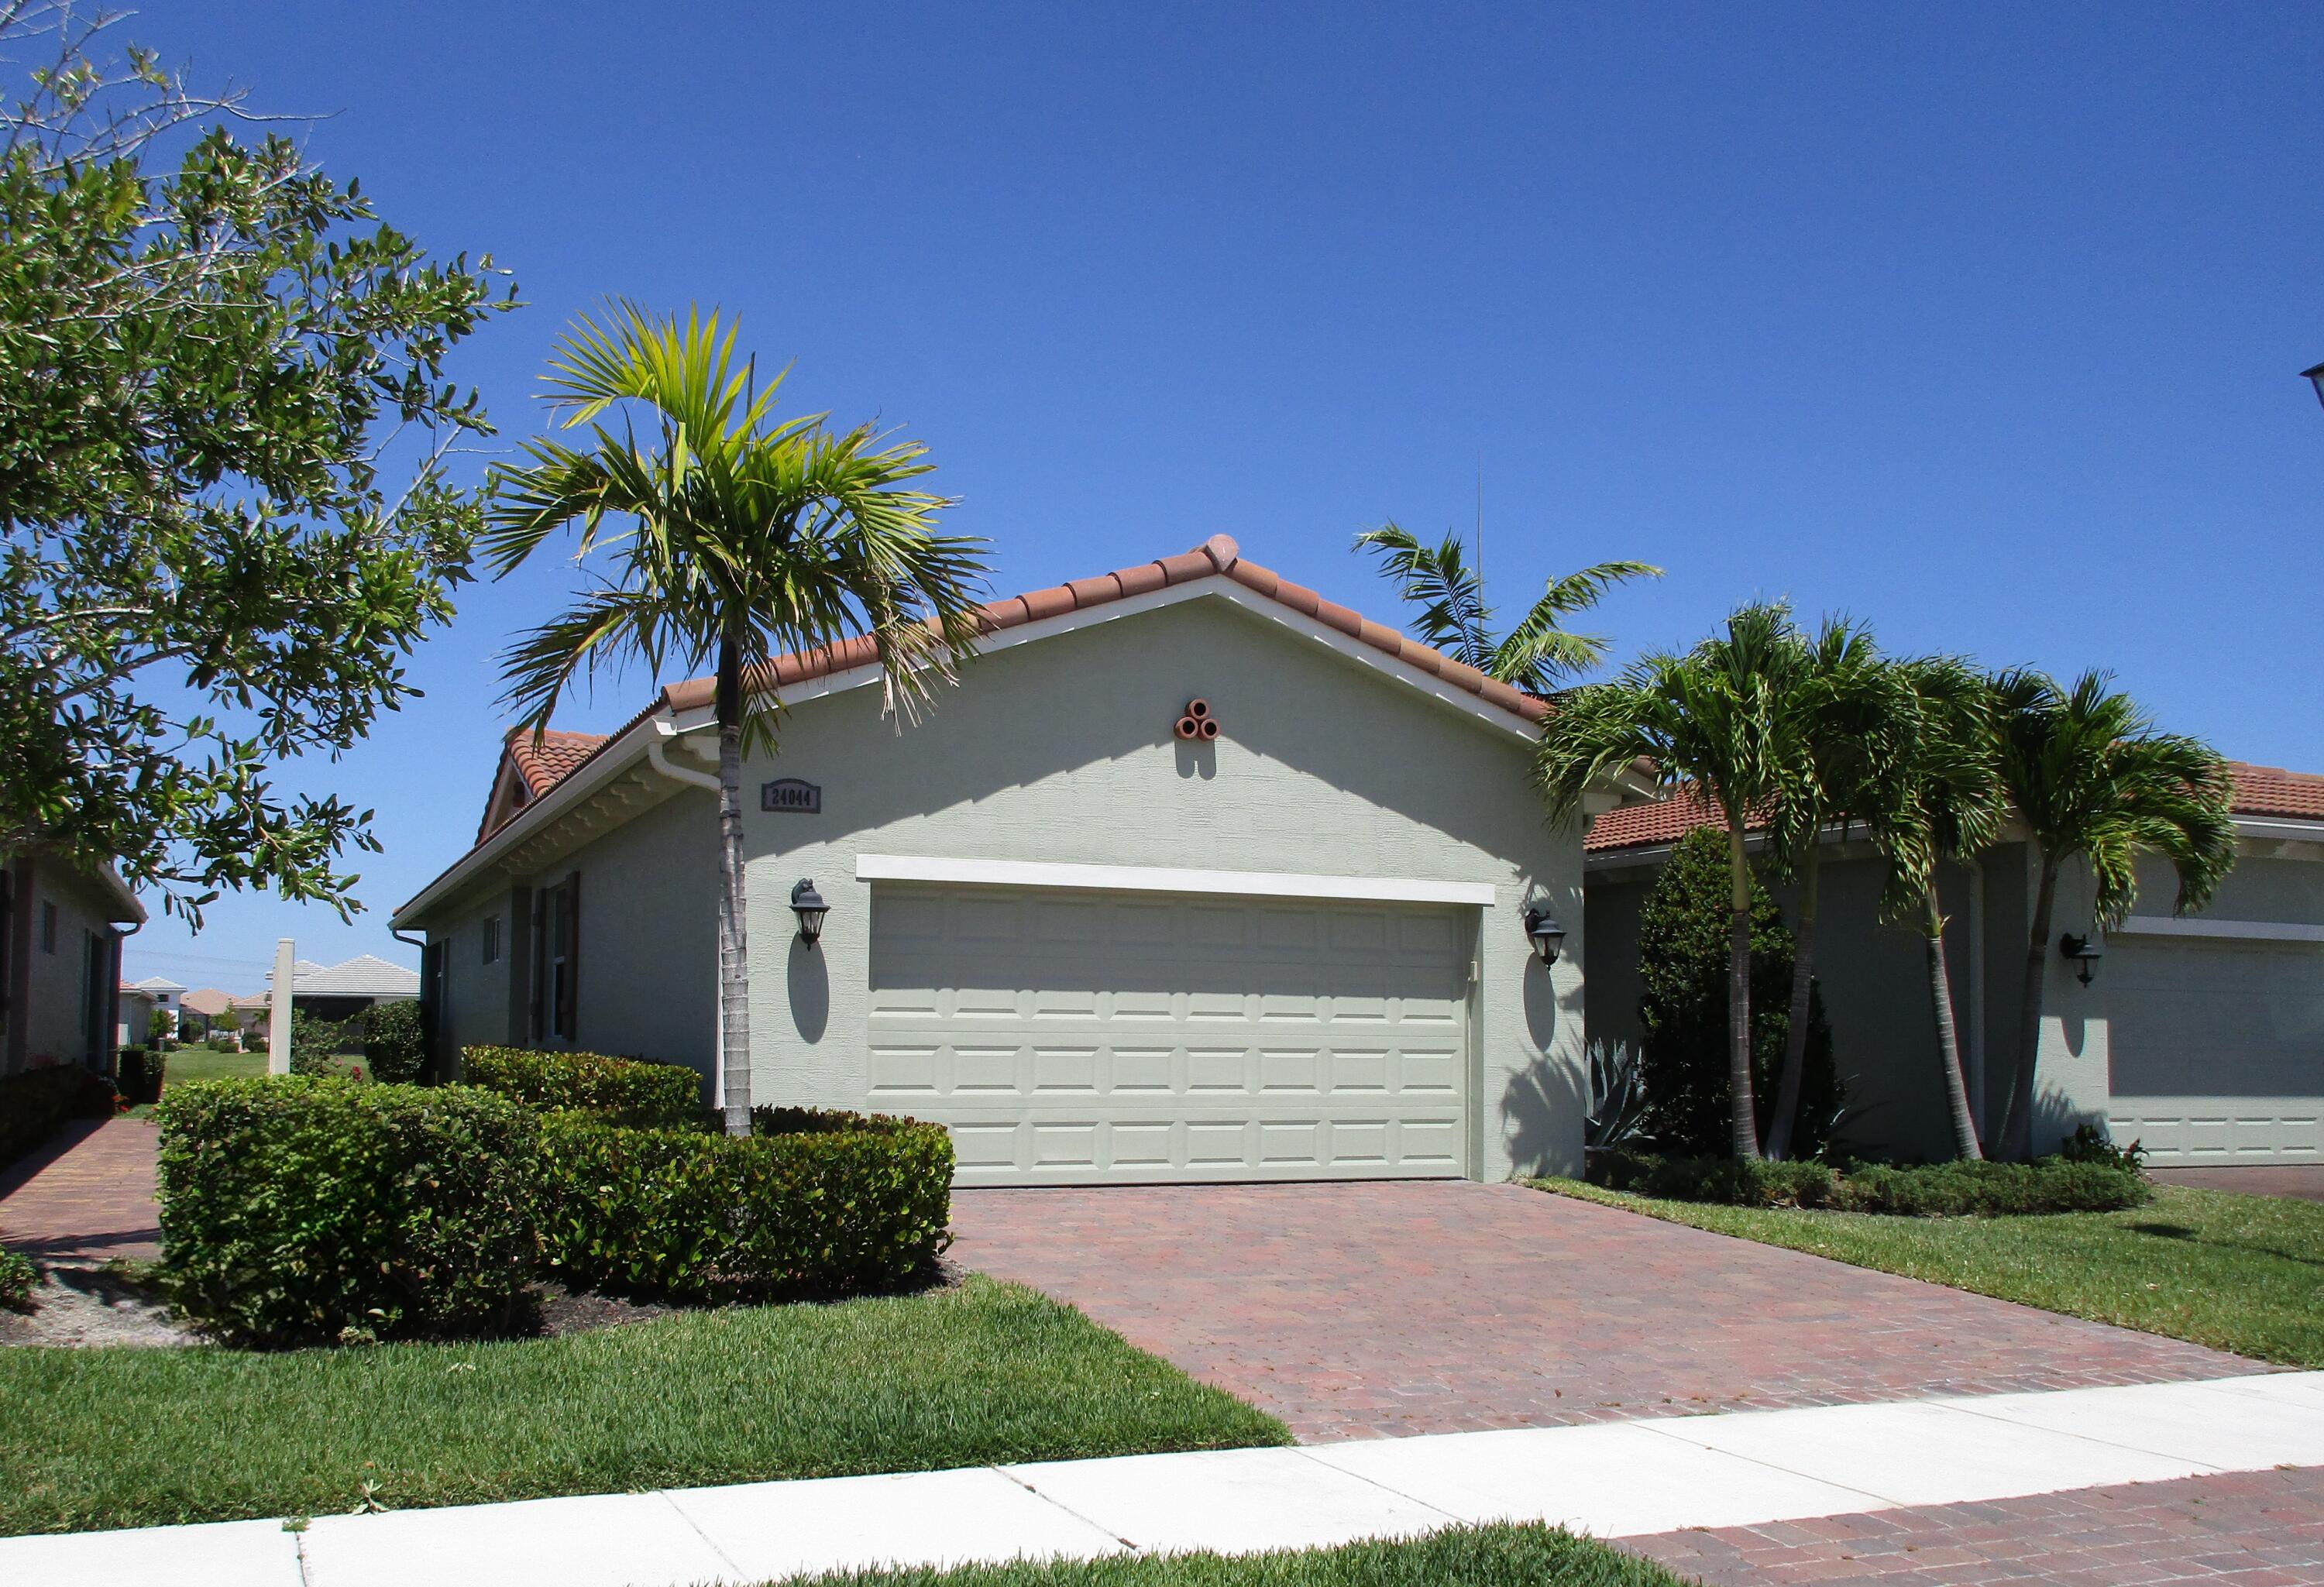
[982,1373]
[2241,1273]
[1458,1556]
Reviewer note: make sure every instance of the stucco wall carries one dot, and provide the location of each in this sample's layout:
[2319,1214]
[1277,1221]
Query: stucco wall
[52,1015]
[476,1000]
[1061,750]
[648,970]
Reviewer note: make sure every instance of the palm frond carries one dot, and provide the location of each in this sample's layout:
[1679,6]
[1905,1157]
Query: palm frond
[1437,580]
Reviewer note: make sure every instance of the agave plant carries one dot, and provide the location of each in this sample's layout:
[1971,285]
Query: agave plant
[1618,1096]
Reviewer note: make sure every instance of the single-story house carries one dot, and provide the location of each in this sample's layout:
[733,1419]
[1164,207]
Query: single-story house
[60,931]
[2201,1036]
[1197,876]
[207,1007]
[332,991]
[134,1016]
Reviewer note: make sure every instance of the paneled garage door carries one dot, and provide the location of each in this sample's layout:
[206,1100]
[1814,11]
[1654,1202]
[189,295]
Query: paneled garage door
[2216,1050]
[1073,1038]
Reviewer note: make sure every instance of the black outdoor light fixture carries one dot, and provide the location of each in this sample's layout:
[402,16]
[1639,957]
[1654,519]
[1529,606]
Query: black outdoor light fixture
[809,906]
[2315,377]
[2084,951]
[1545,933]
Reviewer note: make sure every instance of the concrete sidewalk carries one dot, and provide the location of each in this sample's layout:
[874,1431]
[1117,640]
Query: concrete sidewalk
[1614,1479]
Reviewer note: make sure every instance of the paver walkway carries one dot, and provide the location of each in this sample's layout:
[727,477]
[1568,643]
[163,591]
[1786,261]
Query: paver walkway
[1369,1309]
[2245,1529]
[2301,1181]
[86,1195]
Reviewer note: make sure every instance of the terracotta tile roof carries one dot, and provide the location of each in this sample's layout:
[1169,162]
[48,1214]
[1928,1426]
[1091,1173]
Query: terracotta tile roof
[1654,822]
[2271,791]
[2260,790]
[544,763]
[1216,556]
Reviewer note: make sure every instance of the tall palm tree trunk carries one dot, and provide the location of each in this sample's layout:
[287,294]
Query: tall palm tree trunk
[2017,1123]
[1742,1119]
[1941,1004]
[734,937]
[1796,1035]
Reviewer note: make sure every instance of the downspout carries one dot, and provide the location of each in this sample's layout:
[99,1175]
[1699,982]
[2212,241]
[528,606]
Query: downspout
[109,1045]
[1976,989]
[429,1057]
[657,755]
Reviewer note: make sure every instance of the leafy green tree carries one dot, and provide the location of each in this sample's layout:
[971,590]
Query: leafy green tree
[1451,616]
[222,430]
[2093,781]
[1683,943]
[735,539]
[1939,800]
[1712,724]
[395,1042]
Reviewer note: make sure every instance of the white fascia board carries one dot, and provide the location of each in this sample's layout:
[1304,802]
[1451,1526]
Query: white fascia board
[2219,931]
[1217,585]
[1268,884]
[609,762]
[2280,828]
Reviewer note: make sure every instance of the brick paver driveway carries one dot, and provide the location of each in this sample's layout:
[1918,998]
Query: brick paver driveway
[85,1194]
[1364,1309]
[2301,1181]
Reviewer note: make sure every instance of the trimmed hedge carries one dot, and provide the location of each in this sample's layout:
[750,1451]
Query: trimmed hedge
[632,1091]
[300,1209]
[34,1103]
[140,1074]
[1940,1190]
[825,1203]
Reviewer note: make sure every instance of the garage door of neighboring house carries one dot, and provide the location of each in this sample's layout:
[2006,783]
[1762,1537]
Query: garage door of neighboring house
[1076,1038]
[2216,1048]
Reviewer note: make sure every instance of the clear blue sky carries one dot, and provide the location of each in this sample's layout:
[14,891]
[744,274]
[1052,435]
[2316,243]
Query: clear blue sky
[1978,322]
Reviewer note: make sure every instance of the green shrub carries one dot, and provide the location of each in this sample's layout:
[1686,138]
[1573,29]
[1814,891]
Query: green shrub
[2090,1143]
[1683,926]
[298,1210]
[838,1205]
[394,1044]
[632,1091]
[315,1044]
[1940,1190]
[225,1041]
[34,1103]
[139,1072]
[18,1279]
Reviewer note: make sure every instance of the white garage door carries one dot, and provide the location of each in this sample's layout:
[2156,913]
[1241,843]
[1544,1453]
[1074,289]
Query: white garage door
[2216,1050]
[1075,1038]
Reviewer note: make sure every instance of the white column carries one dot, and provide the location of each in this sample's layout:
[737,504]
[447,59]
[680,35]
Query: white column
[278,1013]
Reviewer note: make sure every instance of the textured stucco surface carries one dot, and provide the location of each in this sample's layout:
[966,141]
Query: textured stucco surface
[1061,750]
[53,1027]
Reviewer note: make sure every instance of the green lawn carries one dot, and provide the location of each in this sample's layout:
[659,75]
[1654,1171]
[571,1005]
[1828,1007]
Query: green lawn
[986,1372]
[2243,1273]
[1460,1556]
[199,1062]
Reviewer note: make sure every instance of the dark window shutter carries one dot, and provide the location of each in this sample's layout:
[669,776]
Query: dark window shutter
[568,903]
[538,1016]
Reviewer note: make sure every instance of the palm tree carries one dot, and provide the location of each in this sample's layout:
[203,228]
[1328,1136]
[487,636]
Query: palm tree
[2092,780]
[1842,716]
[1940,800]
[1452,617]
[736,539]
[1713,724]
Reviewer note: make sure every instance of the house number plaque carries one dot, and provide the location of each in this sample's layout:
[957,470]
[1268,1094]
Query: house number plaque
[791,794]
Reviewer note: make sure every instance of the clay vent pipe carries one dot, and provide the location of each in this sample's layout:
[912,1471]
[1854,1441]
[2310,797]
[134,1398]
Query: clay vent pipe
[1196,723]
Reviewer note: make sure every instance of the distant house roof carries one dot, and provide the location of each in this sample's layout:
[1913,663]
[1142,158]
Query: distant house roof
[2260,790]
[157,983]
[208,1002]
[364,976]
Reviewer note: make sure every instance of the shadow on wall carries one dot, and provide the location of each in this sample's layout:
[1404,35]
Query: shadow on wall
[2056,1117]
[810,990]
[1544,1105]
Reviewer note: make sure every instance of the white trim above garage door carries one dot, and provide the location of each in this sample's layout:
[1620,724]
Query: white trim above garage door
[1078,1036]
[1279,884]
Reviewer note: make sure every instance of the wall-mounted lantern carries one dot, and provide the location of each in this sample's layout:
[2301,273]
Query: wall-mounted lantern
[808,905]
[1545,934]
[2082,951]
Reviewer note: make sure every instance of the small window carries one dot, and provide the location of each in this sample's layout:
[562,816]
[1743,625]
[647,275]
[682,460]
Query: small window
[48,928]
[492,939]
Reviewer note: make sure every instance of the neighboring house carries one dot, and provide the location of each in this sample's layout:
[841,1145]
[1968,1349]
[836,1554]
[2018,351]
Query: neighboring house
[2201,1036]
[165,996]
[1099,951]
[331,992]
[207,1007]
[134,1012]
[60,962]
